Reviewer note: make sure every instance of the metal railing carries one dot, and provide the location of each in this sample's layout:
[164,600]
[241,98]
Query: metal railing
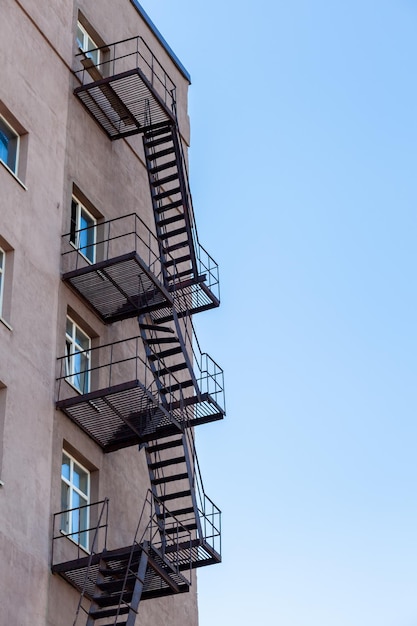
[158,533]
[205,262]
[208,373]
[167,535]
[89,538]
[109,365]
[110,239]
[209,512]
[123,56]
[114,364]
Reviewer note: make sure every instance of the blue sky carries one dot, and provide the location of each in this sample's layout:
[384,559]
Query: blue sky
[303,157]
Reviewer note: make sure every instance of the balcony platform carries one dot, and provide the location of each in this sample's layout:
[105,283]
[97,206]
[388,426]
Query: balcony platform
[119,288]
[161,578]
[120,416]
[129,92]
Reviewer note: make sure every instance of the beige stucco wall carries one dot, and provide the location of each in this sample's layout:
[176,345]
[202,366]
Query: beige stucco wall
[64,147]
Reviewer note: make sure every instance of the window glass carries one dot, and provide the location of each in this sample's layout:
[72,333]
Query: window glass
[75,493]
[65,466]
[83,230]
[2,263]
[9,145]
[86,43]
[77,361]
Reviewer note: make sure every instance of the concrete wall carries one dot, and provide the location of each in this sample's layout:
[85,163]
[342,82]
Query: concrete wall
[64,147]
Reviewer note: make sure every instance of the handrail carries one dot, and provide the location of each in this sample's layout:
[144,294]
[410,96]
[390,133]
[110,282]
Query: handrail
[62,534]
[130,233]
[139,370]
[209,376]
[143,59]
[209,512]
[84,588]
[208,265]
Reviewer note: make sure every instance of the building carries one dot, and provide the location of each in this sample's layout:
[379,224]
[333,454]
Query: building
[103,516]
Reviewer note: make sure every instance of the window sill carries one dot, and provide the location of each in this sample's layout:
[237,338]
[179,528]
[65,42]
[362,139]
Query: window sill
[5,324]
[6,167]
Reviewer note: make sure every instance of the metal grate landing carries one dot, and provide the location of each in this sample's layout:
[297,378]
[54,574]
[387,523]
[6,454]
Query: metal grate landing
[124,104]
[81,572]
[119,288]
[119,416]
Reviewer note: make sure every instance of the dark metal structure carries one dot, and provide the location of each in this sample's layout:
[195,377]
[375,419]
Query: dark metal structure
[149,390]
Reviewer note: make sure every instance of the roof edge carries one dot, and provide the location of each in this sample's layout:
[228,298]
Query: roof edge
[161,39]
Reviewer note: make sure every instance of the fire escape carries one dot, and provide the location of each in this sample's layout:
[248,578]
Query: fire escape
[152,389]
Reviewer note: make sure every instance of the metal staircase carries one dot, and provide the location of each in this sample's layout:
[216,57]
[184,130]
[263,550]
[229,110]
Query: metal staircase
[190,381]
[163,279]
[189,269]
[176,481]
[119,587]
[112,582]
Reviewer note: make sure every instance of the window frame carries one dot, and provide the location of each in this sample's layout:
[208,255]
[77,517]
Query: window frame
[14,169]
[2,277]
[75,229]
[83,47]
[80,535]
[72,350]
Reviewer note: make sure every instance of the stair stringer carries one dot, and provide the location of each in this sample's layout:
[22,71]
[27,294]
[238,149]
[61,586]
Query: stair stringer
[121,607]
[171,201]
[176,382]
[176,488]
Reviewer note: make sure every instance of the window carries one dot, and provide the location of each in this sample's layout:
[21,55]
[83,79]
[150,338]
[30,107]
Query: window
[9,146]
[77,362]
[75,498]
[6,273]
[2,265]
[83,230]
[3,391]
[86,43]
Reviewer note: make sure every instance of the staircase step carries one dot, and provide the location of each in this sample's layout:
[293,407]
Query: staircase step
[168,207]
[165,353]
[172,531]
[112,586]
[162,138]
[156,327]
[172,369]
[169,479]
[113,600]
[174,496]
[163,166]
[177,246]
[119,571]
[174,461]
[165,180]
[180,259]
[158,129]
[156,340]
[172,233]
[170,220]
[177,386]
[167,194]
[113,624]
[108,612]
[165,445]
[177,275]
[184,511]
[161,153]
